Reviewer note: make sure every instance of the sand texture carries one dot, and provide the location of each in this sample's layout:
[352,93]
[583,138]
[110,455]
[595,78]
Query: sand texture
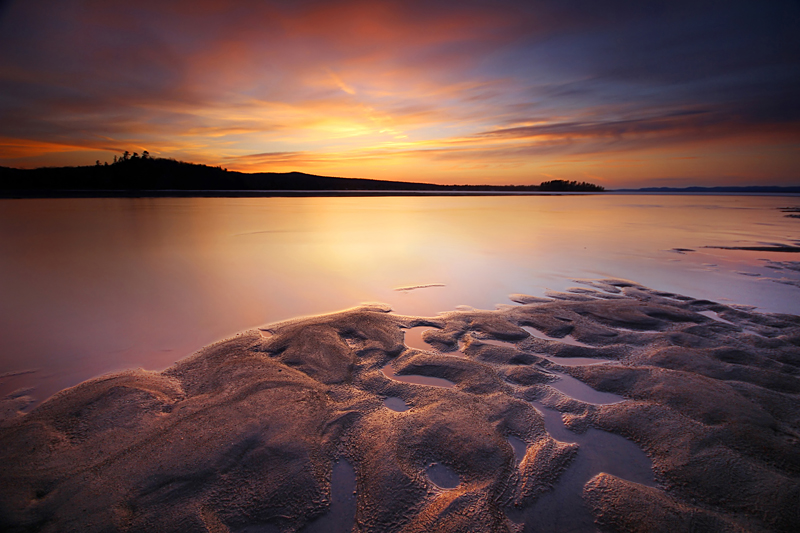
[259,432]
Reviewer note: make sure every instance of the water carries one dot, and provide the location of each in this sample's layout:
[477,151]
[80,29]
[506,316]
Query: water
[340,517]
[91,286]
[416,379]
[395,404]
[583,392]
[519,446]
[566,339]
[413,338]
[563,508]
[715,316]
[442,476]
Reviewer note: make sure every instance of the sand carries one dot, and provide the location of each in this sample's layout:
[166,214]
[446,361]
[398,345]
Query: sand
[249,433]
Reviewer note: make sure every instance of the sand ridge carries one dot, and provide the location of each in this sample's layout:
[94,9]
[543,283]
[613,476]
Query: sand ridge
[244,434]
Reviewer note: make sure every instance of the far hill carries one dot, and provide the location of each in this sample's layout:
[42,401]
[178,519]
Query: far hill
[146,176]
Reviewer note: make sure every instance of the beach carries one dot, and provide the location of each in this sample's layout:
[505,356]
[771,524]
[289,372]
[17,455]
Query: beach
[340,266]
[261,432]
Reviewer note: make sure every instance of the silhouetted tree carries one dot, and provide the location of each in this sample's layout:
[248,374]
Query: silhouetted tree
[145,155]
[567,186]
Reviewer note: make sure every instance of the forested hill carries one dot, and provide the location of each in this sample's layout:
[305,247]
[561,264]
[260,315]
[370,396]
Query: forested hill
[157,177]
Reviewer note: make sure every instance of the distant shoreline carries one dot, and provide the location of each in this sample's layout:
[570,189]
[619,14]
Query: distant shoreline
[146,177]
[39,194]
[750,189]
[159,193]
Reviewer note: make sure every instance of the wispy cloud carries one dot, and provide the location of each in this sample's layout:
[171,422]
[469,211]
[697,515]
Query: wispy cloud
[439,86]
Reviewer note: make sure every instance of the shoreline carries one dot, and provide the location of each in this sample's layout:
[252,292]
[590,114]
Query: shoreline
[84,194]
[22,195]
[247,432]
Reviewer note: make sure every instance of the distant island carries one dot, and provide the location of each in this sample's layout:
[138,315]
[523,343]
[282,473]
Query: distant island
[716,190]
[135,175]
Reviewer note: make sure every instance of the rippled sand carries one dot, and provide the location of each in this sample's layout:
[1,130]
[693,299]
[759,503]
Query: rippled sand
[611,406]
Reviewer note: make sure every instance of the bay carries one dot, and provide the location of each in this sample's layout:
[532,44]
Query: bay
[91,286]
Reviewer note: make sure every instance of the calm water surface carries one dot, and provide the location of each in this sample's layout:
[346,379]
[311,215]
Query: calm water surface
[97,285]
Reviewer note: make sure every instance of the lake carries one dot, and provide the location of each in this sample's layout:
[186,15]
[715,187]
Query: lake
[90,286]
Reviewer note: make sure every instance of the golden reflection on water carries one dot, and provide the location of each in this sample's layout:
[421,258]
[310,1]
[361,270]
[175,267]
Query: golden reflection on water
[91,286]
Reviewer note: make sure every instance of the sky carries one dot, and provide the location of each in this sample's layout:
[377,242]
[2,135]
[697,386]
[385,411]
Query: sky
[618,93]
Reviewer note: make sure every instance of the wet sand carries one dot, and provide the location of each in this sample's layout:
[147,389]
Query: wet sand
[610,406]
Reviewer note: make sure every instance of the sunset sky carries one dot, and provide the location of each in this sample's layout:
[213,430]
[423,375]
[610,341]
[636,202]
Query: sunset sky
[623,94]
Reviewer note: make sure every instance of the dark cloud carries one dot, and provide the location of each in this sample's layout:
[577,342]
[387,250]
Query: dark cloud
[227,79]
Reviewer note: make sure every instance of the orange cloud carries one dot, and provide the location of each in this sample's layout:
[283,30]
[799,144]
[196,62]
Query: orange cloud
[503,91]
[19,148]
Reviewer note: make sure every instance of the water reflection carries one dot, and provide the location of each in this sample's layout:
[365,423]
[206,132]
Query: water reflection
[389,372]
[563,508]
[519,446]
[442,476]
[567,339]
[413,338]
[92,286]
[395,404]
[340,517]
[581,391]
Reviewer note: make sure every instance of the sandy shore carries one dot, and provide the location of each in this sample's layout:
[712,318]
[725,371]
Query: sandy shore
[264,431]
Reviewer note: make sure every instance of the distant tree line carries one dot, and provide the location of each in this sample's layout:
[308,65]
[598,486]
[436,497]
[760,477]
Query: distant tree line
[127,156]
[569,186]
[132,174]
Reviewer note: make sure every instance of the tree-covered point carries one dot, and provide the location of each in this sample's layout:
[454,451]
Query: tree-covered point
[134,174]
[570,186]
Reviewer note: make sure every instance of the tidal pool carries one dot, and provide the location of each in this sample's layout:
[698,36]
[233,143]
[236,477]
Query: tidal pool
[564,361]
[389,372]
[519,446]
[563,508]
[341,516]
[566,339]
[395,404]
[580,391]
[413,338]
[442,476]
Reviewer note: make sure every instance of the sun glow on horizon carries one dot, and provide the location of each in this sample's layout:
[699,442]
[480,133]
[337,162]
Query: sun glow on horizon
[435,92]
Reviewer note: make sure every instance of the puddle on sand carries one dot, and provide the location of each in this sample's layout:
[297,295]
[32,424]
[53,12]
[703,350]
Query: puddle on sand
[395,404]
[564,361]
[567,339]
[579,390]
[575,361]
[714,316]
[389,372]
[493,342]
[442,476]
[567,384]
[519,446]
[562,509]
[462,343]
[340,518]
[413,338]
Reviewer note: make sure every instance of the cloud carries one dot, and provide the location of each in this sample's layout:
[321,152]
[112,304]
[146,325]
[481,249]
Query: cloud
[318,82]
